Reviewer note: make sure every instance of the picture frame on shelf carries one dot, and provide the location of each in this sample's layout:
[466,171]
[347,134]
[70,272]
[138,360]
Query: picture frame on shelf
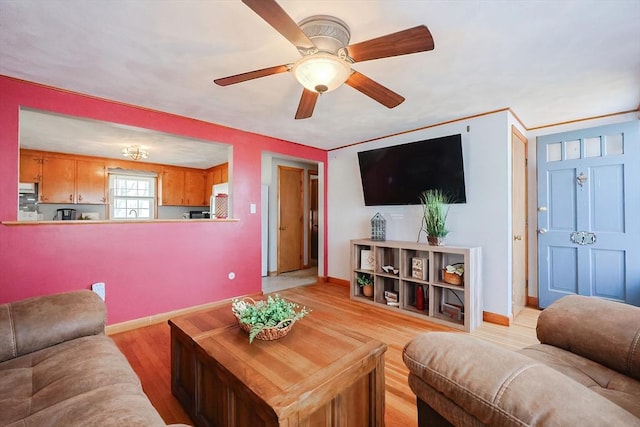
[367,261]
[419,268]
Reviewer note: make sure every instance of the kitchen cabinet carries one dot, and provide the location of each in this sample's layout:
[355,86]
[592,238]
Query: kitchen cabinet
[216,175]
[30,167]
[182,187]
[66,180]
[172,187]
[194,188]
[58,180]
[91,177]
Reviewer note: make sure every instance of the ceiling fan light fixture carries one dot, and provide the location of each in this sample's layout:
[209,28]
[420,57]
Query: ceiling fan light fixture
[321,72]
[135,152]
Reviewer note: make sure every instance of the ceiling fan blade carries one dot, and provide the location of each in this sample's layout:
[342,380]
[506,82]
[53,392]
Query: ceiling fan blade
[374,90]
[239,78]
[275,16]
[307,104]
[417,39]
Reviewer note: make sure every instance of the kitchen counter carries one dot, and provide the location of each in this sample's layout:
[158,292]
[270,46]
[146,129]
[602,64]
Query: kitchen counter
[132,221]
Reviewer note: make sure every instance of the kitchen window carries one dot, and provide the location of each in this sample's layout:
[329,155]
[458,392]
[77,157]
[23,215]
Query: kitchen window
[132,196]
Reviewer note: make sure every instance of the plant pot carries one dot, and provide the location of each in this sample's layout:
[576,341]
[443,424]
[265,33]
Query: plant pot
[367,291]
[435,240]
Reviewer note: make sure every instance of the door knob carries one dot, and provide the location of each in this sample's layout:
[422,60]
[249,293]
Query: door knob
[517,237]
[542,209]
[542,230]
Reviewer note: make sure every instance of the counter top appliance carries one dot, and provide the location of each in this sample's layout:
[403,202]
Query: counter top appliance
[65,214]
[199,214]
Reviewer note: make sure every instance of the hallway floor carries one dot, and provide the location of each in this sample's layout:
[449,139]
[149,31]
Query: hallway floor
[308,276]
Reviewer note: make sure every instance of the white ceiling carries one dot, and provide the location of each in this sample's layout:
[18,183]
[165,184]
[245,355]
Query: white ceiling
[53,132]
[549,61]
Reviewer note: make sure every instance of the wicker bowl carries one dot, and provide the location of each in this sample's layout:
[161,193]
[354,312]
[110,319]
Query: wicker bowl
[452,278]
[269,334]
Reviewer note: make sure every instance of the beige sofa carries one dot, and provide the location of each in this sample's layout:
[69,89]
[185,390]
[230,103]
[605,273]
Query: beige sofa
[57,367]
[585,372]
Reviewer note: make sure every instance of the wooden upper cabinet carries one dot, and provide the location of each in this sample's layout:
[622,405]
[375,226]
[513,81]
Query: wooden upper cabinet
[216,175]
[225,172]
[208,186]
[173,187]
[194,188]
[58,180]
[30,167]
[91,181]
[220,173]
[183,187]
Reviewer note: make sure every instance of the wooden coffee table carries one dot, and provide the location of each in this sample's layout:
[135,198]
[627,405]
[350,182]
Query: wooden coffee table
[319,374]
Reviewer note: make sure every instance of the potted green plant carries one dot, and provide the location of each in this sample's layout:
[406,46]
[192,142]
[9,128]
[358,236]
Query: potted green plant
[365,281]
[434,216]
[267,320]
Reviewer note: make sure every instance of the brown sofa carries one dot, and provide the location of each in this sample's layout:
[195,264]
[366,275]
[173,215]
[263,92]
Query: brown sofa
[57,367]
[585,372]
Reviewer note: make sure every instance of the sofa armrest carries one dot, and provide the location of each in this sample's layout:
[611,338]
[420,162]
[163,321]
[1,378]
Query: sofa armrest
[496,386]
[36,323]
[604,331]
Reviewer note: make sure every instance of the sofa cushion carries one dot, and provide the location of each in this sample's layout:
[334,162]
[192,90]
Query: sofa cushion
[622,390]
[604,331]
[497,386]
[86,381]
[35,323]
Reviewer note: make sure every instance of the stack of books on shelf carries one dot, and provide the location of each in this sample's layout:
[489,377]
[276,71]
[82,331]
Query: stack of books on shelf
[392,298]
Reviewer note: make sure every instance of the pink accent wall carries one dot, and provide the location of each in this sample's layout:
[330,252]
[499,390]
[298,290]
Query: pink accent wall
[148,268]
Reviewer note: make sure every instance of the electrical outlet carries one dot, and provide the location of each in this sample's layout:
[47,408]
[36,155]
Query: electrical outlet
[100,289]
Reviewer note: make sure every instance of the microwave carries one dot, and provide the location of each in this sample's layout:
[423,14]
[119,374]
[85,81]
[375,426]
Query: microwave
[26,188]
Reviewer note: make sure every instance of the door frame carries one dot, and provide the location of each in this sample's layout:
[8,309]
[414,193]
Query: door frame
[312,176]
[516,135]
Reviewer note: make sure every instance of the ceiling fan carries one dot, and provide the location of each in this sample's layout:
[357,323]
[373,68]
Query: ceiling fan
[327,57]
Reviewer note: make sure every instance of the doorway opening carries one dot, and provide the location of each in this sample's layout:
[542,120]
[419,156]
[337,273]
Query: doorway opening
[292,224]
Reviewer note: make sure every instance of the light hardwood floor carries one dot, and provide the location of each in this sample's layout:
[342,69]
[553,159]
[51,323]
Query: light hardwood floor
[148,348]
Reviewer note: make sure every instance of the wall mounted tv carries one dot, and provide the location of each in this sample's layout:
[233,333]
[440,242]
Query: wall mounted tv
[397,175]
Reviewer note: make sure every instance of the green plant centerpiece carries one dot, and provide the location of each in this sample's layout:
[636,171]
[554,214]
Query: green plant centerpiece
[365,281]
[434,216]
[267,320]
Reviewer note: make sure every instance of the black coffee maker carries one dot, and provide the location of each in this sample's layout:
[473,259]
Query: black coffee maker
[65,214]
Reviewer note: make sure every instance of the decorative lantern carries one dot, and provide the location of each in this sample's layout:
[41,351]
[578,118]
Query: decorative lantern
[378,227]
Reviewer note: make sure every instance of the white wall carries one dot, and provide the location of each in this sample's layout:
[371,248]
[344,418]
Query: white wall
[485,220]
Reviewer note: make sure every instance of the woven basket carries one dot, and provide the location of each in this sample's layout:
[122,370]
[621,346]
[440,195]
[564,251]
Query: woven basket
[269,334]
[452,278]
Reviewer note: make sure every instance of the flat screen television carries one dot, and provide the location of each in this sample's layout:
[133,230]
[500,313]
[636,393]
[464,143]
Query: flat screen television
[397,175]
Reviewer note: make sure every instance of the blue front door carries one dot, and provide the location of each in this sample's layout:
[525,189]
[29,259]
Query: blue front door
[589,213]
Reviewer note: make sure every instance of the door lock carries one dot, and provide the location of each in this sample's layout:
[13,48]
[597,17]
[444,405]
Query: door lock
[517,237]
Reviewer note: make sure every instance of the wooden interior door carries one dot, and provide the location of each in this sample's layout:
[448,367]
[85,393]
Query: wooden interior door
[290,218]
[519,220]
